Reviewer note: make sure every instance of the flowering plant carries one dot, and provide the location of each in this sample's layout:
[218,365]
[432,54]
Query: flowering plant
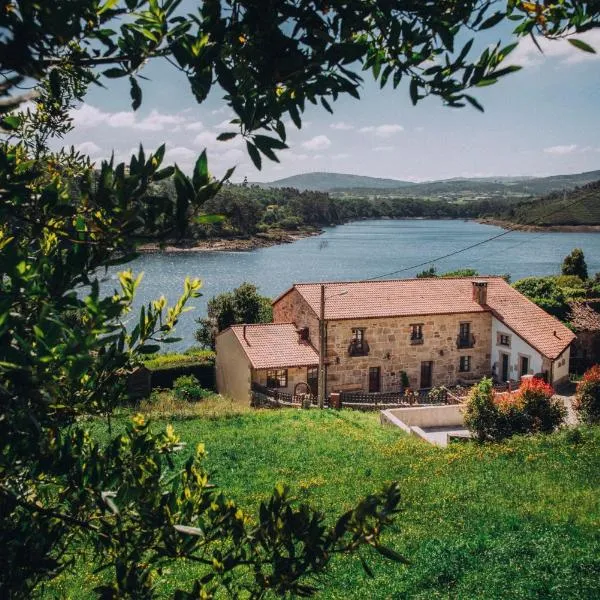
[587,400]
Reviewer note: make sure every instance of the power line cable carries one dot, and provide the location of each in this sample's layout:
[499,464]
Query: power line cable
[470,247]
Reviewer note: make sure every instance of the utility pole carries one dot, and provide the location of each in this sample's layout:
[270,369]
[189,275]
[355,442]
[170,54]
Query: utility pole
[321,384]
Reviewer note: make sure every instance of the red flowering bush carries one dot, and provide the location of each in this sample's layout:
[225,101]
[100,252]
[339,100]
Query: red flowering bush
[587,400]
[531,409]
[539,411]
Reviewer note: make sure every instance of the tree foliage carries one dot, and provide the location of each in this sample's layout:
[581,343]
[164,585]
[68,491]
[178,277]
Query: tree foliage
[243,305]
[65,348]
[574,264]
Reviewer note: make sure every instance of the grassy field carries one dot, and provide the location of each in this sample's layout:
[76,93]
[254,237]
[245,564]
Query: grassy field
[518,520]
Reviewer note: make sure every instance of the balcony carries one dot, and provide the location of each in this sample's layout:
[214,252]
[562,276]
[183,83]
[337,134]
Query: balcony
[467,341]
[416,341]
[358,348]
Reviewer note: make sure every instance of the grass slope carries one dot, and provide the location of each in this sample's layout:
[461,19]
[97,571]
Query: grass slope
[518,520]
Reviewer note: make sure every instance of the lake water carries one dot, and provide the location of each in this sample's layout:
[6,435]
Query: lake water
[359,250]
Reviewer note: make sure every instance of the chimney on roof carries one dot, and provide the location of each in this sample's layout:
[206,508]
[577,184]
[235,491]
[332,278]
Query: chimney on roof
[480,292]
[244,334]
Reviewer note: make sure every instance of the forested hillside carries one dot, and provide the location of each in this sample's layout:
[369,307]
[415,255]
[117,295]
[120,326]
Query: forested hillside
[580,206]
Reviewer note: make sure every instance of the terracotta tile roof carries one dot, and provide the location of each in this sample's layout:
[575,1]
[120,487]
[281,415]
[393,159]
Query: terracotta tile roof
[539,329]
[420,297]
[275,346]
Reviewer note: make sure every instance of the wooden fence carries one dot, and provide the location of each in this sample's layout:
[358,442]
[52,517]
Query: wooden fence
[264,397]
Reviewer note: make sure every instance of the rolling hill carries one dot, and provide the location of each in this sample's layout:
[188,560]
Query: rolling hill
[340,184]
[325,182]
[580,206]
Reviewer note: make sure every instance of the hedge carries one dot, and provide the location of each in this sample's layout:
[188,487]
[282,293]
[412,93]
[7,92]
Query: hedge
[166,368]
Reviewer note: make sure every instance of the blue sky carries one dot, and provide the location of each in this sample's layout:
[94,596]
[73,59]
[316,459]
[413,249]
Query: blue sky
[542,120]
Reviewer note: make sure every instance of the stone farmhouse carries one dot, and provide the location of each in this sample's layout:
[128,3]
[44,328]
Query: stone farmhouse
[438,331]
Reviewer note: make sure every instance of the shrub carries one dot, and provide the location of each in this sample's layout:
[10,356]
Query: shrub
[187,387]
[481,413]
[494,417]
[587,400]
[540,412]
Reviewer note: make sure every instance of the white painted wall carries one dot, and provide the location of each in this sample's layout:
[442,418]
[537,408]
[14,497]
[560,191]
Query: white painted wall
[517,346]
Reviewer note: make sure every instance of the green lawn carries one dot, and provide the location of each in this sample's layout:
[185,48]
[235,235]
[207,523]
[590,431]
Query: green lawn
[517,520]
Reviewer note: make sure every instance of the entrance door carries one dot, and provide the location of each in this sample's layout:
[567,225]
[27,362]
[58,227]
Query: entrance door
[426,370]
[523,365]
[504,359]
[374,379]
[312,379]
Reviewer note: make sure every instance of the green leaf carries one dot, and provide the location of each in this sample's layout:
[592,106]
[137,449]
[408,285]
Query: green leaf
[254,155]
[114,72]
[136,93]
[414,90]
[107,6]
[581,45]
[228,135]
[148,348]
[11,122]
[473,102]
[493,20]
[200,176]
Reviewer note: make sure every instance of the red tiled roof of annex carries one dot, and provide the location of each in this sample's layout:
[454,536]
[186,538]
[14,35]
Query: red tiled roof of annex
[275,345]
[436,295]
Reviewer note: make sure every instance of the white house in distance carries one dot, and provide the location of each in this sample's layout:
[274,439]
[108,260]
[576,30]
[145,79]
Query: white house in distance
[436,331]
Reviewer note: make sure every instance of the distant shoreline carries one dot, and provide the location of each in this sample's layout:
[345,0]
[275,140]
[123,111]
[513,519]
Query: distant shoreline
[261,240]
[541,228]
[282,236]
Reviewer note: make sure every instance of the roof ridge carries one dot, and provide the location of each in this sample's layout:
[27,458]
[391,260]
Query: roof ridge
[261,324]
[345,282]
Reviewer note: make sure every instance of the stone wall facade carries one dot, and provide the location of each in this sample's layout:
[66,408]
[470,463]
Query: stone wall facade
[390,349]
[293,308]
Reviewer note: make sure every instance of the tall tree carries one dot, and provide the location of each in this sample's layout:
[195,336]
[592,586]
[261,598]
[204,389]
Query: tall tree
[243,305]
[574,264]
[62,224]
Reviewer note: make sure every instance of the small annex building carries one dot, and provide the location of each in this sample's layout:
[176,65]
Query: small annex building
[274,355]
[431,331]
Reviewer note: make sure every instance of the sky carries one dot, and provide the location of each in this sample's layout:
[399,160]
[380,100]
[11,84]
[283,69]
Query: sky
[542,120]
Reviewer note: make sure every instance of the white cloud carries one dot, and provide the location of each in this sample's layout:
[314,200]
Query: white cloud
[157,121]
[195,126]
[226,125]
[342,126]
[220,111]
[180,154]
[526,53]
[87,116]
[120,119]
[319,142]
[292,156]
[88,148]
[564,149]
[383,148]
[340,156]
[206,138]
[383,131]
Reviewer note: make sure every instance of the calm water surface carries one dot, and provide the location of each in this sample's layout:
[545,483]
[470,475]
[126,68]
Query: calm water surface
[357,251]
